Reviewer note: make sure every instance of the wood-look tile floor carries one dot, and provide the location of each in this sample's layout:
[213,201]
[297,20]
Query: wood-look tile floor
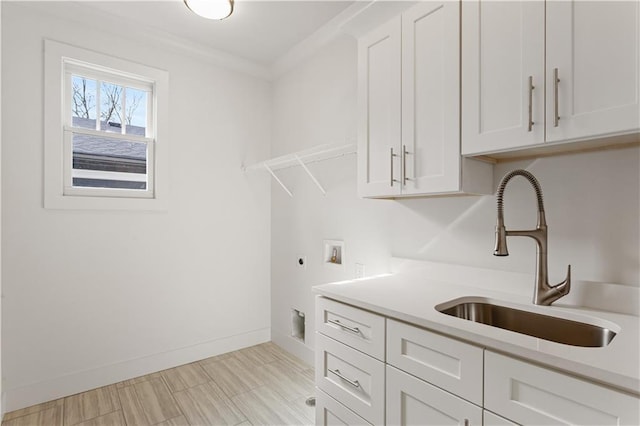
[259,385]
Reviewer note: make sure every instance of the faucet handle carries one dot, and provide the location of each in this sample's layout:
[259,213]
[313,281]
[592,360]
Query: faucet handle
[546,296]
[564,287]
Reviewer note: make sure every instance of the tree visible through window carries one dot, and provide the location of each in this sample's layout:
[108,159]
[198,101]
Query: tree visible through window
[99,159]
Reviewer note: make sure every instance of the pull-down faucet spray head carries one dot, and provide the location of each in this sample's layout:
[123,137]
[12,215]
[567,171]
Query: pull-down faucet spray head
[501,239]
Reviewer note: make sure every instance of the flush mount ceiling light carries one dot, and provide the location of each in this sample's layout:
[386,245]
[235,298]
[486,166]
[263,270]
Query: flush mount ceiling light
[211,9]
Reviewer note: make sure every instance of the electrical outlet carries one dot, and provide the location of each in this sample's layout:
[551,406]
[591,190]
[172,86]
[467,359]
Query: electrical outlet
[359,270]
[301,261]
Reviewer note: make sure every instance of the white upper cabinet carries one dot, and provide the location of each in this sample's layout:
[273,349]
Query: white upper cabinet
[430,98]
[409,128]
[595,48]
[379,98]
[502,75]
[518,91]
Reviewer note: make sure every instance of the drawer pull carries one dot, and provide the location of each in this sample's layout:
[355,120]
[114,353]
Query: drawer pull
[346,327]
[556,80]
[531,123]
[353,383]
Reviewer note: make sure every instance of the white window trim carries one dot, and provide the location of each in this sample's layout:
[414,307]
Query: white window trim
[55,133]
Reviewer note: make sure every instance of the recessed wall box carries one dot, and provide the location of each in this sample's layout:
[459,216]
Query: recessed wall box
[333,254]
[297,324]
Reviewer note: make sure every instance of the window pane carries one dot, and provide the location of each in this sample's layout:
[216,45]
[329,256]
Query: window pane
[83,102]
[103,162]
[136,111]
[111,107]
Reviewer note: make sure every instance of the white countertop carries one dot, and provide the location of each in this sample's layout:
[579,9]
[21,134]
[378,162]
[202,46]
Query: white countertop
[412,295]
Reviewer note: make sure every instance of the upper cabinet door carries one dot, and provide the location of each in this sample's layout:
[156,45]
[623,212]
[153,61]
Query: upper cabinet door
[502,75]
[379,133]
[431,98]
[593,49]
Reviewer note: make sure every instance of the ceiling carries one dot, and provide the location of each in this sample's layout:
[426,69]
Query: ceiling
[261,31]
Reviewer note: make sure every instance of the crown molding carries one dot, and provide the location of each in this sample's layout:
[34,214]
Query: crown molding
[356,20]
[84,12]
[307,47]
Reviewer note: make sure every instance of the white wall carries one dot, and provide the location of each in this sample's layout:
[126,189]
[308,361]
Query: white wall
[93,297]
[1,376]
[591,200]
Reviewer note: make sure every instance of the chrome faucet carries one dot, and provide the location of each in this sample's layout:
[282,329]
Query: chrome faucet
[544,294]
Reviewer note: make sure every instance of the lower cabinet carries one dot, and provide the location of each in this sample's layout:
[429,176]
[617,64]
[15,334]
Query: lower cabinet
[351,377]
[533,395]
[449,364]
[411,401]
[330,412]
[432,379]
[490,419]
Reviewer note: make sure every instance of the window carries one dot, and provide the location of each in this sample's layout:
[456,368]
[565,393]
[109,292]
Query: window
[109,133]
[104,131]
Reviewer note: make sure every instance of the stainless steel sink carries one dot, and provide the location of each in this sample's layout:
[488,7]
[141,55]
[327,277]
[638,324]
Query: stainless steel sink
[542,326]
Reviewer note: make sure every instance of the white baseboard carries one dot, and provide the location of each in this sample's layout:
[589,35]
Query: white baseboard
[293,346]
[82,381]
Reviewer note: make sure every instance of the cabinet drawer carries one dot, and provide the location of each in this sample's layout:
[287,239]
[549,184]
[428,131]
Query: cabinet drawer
[528,394]
[331,412]
[352,326]
[411,401]
[490,419]
[351,377]
[447,363]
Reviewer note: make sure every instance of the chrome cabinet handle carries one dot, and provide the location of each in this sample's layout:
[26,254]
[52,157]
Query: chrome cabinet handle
[531,87]
[404,165]
[556,80]
[353,383]
[392,179]
[346,327]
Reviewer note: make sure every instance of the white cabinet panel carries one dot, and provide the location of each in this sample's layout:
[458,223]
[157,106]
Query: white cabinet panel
[532,395]
[411,401]
[379,110]
[490,419]
[355,327]
[330,412]
[447,363]
[351,377]
[502,46]
[430,98]
[595,48]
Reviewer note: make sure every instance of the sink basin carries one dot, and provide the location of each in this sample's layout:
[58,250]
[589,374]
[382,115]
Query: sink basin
[538,325]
